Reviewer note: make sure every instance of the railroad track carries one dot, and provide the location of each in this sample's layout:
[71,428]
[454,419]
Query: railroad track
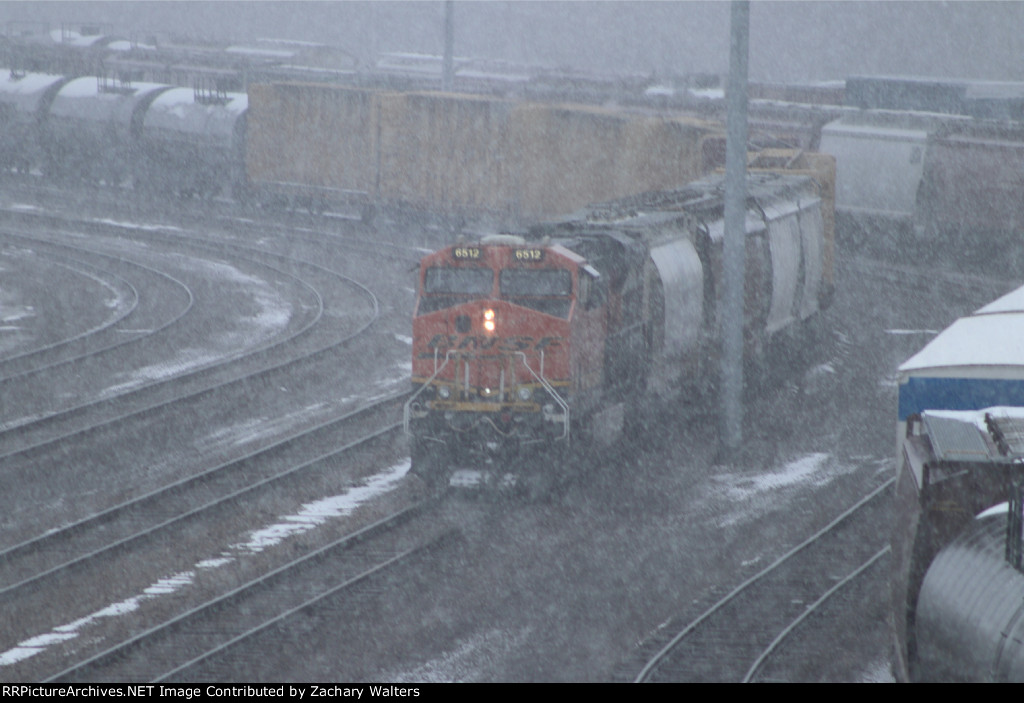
[73,565]
[125,304]
[734,637]
[87,429]
[209,630]
[295,345]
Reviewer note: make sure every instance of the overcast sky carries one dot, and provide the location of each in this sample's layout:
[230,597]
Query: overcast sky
[790,41]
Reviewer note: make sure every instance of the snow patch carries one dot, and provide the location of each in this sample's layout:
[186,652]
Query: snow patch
[469,662]
[309,517]
[756,495]
[318,512]
[911,332]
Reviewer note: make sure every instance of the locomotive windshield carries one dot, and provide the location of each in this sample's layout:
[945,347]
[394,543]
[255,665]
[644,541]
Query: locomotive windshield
[445,286]
[515,282]
[545,290]
[464,281]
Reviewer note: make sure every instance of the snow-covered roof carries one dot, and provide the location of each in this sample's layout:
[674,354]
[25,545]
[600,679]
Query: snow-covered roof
[977,362]
[986,435]
[27,91]
[986,344]
[176,114]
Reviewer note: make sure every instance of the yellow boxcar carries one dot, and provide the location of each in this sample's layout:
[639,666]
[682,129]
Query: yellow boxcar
[452,153]
[571,155]
[444,152]
[312,139]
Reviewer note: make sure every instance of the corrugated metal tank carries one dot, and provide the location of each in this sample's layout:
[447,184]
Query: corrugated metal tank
[970,613]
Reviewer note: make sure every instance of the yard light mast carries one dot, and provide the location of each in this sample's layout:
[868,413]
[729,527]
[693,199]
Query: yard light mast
[735,230]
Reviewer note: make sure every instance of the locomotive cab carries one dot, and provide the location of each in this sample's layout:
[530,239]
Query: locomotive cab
[507,342]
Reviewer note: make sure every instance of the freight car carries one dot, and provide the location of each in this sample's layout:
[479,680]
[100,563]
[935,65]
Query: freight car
[961,451]
[192,143]
[970,195]
[970,613]
[525,346]
[91,129]
[25,100]
[318,145]
[881,158]
[935,183]
[151,136]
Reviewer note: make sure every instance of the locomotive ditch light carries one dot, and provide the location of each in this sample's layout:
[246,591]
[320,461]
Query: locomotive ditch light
[489,322]
[524,393]
[444,392]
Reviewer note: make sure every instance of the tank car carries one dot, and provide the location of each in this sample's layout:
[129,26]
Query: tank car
[92,127]
[970,613]
[192,143]
[960,451]
[525,346]
[24,101]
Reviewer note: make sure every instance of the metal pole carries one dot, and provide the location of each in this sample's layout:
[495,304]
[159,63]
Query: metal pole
[735,231]
[1015,524]
[448,69]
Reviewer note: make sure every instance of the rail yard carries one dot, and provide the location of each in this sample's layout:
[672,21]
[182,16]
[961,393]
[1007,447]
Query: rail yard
[571,588]
[214,467]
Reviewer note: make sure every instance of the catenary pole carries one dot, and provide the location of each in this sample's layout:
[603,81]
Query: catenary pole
[735,230]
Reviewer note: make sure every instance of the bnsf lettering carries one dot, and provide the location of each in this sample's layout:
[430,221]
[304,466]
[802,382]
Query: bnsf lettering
[481,342]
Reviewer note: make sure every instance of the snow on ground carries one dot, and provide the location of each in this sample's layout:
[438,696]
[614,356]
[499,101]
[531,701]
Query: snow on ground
[309,517]
[754,495]
[257,429]
[271,314]
[470,662]
[185,360]
[314,514]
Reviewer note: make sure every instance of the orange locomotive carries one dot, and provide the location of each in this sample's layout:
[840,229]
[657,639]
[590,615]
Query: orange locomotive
[526,346]
[501,342]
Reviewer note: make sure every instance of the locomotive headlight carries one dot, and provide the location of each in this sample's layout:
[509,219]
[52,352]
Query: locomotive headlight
[524,393]
[489,320]
[444,392]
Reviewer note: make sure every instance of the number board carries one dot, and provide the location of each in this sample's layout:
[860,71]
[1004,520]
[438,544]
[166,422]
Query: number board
[525,255]
[461,253]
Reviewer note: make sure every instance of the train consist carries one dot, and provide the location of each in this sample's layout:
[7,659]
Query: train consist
[324,146]
[958,579]
[150,136]
[930,163]
[462,154]
[526,346]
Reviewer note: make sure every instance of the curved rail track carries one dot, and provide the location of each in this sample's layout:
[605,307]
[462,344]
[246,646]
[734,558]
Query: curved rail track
[298,357]
[731,640]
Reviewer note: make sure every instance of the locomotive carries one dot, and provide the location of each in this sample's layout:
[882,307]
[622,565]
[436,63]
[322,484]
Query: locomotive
[527,346]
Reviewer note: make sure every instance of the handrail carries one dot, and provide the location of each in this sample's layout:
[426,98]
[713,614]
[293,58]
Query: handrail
[408,404]
[550,389]
[563,404]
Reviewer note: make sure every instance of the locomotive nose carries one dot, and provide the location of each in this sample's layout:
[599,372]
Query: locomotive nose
[462,324]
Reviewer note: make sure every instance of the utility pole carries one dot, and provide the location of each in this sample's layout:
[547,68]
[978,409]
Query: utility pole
[735,231]
[448,69]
